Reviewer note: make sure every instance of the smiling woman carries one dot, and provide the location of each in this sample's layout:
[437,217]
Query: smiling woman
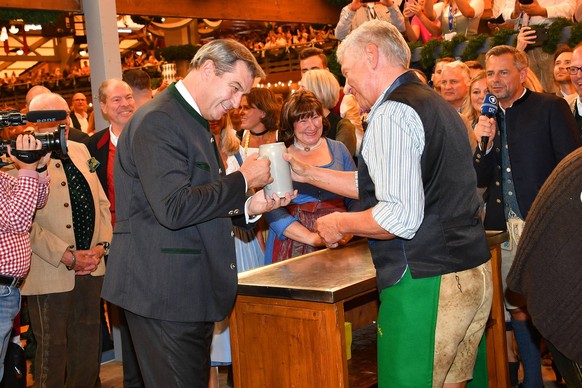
[291,230]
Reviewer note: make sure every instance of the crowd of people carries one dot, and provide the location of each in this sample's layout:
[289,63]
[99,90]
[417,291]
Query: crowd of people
[170,193]
[44,75]
[281,36]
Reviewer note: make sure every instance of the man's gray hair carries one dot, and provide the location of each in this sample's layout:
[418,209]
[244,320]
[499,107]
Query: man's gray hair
[384,35]
[225,53]
[461,66]
[520,59]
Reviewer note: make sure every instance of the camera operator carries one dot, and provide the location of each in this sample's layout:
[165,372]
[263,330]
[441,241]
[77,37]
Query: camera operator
[69,238]
[19,198]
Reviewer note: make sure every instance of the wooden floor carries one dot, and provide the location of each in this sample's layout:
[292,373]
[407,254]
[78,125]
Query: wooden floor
[112,376]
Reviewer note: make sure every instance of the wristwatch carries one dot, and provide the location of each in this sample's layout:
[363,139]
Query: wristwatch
[105,246]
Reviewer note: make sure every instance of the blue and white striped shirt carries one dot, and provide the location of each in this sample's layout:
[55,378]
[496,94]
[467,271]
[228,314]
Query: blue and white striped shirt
[392,148]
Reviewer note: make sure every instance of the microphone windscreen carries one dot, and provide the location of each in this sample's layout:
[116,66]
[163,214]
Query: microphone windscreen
[46,116]
[489,107]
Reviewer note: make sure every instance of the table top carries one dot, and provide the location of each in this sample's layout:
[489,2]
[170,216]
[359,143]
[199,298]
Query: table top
[327,275]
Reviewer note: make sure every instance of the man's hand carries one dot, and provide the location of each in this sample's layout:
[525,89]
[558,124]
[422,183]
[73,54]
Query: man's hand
[26,142]
[260,203]
[86,261]
[485,127]
[412,8]
[526,36]
[328,229]
[355,5]
[256,171]
[299,169]
[534,9]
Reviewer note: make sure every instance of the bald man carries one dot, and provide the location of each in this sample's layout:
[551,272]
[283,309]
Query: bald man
[79,116]
[73,134]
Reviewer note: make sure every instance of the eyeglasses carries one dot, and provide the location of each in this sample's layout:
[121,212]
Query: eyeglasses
[573,70]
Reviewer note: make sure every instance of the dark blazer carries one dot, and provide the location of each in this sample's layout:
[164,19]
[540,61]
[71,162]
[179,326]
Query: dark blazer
[172,256]
[75,121]
[98,146]
[541,131]
[77,135]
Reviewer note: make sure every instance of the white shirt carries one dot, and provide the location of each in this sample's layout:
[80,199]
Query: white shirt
[112,137]
[350,20]
[83,122]
[554,8]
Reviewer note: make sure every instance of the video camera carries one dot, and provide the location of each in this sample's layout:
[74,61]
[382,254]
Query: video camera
[51,142]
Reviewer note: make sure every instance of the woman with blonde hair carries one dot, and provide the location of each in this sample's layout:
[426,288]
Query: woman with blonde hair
[249,253]
[532,82]
[326,88]
[478,89]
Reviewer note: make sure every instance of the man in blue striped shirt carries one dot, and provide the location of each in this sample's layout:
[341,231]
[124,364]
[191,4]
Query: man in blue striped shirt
[416,185]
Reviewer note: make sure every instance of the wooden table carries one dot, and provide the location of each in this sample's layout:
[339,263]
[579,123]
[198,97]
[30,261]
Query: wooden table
[287,327]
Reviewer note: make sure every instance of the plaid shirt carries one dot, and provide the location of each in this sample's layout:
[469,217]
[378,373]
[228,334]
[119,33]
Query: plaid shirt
[19,198]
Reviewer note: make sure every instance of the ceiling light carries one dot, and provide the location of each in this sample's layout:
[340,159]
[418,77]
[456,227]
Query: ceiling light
[20,52]
[139,53]
[32,27]
[13,29]
[3,35]
[123,30]
[82,52]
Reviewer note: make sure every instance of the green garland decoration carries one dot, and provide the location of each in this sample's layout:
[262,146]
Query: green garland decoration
[501,36]
[427,53]
[334,66]
[576,35]
[29,17]
[555,34]
[474,44]
[414,45]
[449,46]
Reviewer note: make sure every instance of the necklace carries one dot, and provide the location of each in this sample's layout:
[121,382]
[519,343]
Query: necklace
[258,134]
[248,139]
[307,149]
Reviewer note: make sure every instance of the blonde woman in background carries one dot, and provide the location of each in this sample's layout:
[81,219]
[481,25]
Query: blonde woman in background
[478,89]
[249,253]
[532,82]
[326,88]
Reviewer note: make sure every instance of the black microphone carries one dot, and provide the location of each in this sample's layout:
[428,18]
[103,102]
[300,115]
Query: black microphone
[489,109]
[46,116]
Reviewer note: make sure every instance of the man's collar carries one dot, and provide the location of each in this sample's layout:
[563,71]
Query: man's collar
[181,88]
[518,99]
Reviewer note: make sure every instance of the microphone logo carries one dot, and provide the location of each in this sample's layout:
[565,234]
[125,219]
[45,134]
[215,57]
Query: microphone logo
[489,107]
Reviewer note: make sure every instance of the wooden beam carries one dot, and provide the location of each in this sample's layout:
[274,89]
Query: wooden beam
[29,58]
[44,5]
[318,11]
